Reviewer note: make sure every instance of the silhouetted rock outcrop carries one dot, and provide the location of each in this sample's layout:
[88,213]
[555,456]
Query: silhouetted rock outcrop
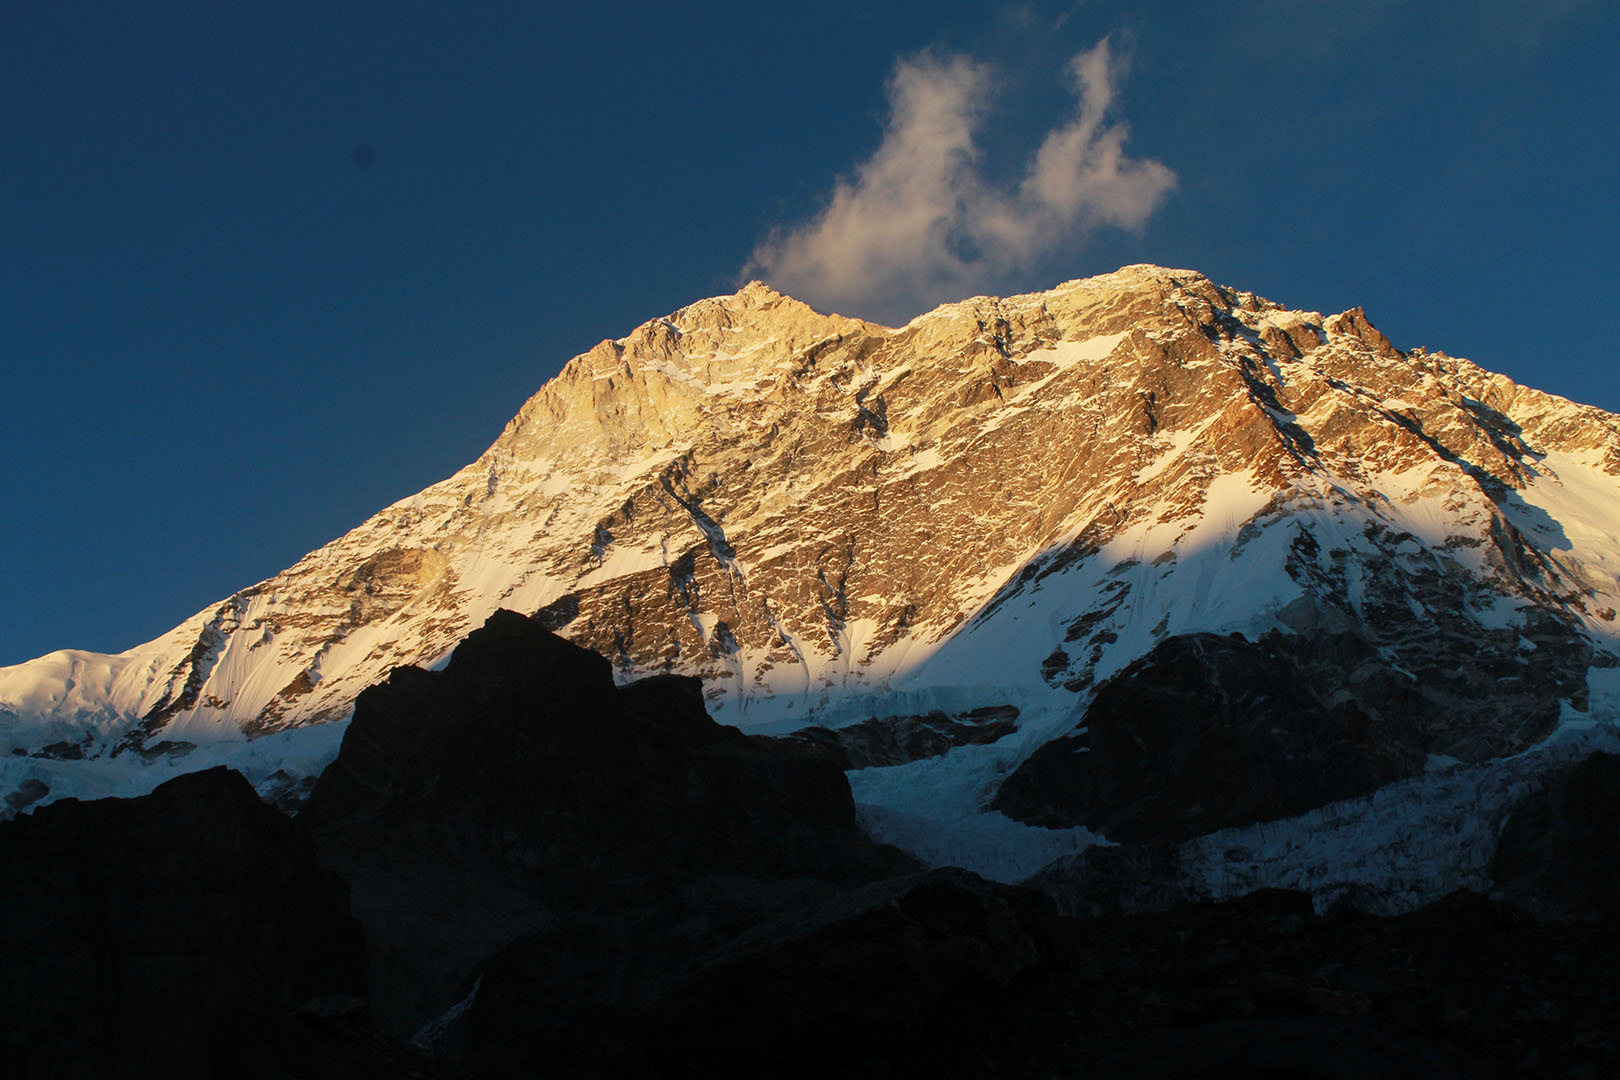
[944,974]
[810,990]
[569,879]
[473,805]
[133,929]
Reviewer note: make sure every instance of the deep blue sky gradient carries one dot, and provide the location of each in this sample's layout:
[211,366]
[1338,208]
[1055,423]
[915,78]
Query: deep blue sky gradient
[270,266]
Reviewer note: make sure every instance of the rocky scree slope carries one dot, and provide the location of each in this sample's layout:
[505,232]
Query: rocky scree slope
[1002,505]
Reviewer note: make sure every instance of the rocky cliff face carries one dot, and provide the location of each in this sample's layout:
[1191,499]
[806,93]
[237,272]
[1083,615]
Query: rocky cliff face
[1004,503]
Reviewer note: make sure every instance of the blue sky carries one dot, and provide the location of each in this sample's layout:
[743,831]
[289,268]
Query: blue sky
[272,266]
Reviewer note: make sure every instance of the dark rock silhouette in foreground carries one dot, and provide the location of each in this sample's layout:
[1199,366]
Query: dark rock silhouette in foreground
[475,804]
[568,879]
[811,988]
[944,974]
[134,931]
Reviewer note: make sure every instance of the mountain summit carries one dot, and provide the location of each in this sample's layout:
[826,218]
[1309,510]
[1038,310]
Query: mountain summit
[1007,504]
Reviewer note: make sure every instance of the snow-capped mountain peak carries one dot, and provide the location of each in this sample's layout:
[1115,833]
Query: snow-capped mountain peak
[1002,503]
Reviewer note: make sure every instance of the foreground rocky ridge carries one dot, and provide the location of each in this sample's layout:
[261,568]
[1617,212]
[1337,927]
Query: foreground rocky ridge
[519,786]
[568,879]
[1003,504]
[134,930]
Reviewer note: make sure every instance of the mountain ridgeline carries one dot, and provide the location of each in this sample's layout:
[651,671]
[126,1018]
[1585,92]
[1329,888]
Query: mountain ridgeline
[1325,563]
[1138,678]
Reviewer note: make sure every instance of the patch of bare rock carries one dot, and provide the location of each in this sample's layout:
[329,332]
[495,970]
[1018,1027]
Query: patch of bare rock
[1208,731]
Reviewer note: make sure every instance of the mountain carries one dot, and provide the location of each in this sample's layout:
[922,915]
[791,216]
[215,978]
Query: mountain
[1345,566]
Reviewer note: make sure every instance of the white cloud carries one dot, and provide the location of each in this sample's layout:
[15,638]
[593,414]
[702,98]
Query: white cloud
[918,222]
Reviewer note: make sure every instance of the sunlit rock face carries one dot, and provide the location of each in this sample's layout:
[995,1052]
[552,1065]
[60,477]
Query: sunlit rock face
[1003,503]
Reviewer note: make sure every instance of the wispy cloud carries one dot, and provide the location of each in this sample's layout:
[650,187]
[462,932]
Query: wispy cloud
[918,222]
